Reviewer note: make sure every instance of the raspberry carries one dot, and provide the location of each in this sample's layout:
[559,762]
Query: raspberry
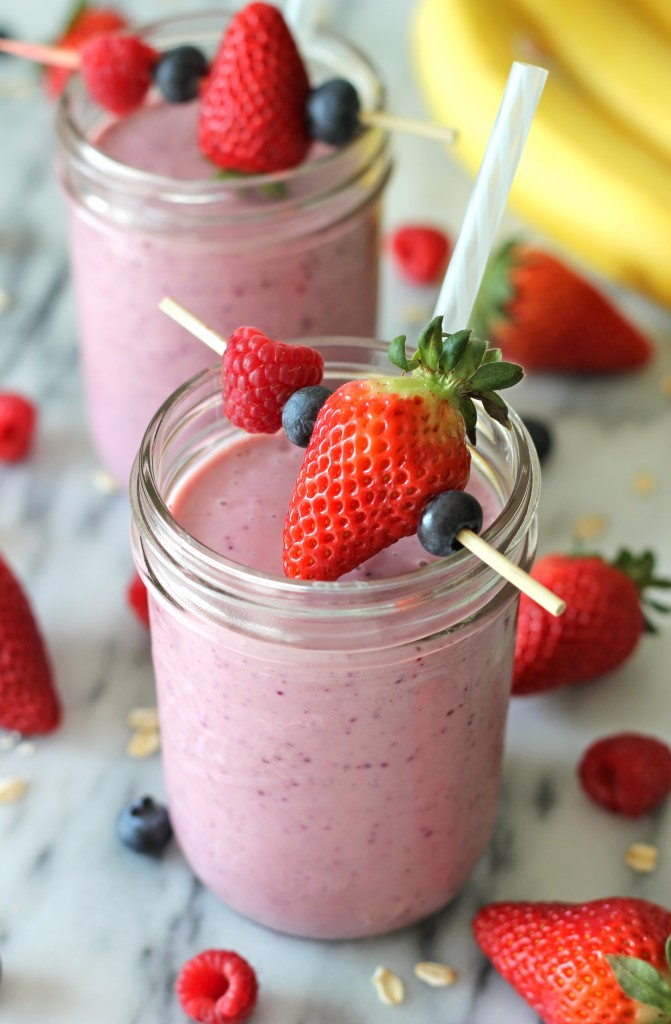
[217,987]
[259,375]
[17,426]
[118,71]
[628,773]
[421,252]
[87,22]
[136,595]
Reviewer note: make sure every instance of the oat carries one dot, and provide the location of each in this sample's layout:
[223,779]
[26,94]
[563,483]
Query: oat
[388,986]
[10,740]
[12,790]
[642,857]
[589,527]
[434,974]
[6,301]
[143,744]
[666,385]
[104,482]
[143,719]
[644,482]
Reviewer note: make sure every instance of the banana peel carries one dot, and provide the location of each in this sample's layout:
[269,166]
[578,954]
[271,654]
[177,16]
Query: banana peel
[583,178]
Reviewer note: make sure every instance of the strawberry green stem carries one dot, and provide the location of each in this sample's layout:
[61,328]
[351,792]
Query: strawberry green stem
[460,368]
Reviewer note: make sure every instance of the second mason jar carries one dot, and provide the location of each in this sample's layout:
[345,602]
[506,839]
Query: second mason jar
[292,253]
[332,751]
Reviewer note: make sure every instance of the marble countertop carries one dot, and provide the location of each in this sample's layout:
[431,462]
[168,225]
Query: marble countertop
[90,932]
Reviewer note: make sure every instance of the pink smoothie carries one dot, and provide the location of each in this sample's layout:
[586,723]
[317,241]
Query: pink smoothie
[278,261]
[325,794]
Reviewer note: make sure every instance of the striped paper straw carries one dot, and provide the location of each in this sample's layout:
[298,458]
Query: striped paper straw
[490,195]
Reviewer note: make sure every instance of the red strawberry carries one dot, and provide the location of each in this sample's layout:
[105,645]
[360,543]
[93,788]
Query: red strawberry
[547,317]
[628,773]
[117,71]
[421,252]
[258,375]
[252,113]
[382,448]
[575,962]
[17,426]
[28,701]
[217,987]
[600,628]
[84,23]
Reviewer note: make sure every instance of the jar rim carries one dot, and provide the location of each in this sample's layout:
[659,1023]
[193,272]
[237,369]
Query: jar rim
[367,146]
[209,572]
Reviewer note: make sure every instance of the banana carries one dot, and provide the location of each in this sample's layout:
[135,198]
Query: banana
[658,12]
[617,56]
[582,178]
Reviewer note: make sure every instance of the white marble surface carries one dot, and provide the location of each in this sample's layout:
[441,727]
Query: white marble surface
[90,932]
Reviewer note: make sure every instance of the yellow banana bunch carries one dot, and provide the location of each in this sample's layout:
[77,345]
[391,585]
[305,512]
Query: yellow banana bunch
[585,178]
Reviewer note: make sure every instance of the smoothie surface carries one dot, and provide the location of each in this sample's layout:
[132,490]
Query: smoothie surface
[236,504]
[161,139]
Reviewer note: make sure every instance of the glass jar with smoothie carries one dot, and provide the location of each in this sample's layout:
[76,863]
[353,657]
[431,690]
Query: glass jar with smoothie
[332,751]
[296,250]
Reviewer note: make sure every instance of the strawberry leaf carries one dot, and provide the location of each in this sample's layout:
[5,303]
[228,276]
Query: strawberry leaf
[396,353]
[454,346]
[430,344]
[470,417]
[641,981]
[494,376]
[495,406]
[492,355]
[471,359]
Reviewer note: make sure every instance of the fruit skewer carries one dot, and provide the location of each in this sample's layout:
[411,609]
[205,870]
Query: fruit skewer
[466,537]
[71,59]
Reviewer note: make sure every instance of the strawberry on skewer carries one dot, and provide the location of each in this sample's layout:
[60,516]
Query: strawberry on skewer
[459,533]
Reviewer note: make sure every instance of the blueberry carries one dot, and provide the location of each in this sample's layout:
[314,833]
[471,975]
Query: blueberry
[178,73]
[300,412]
[144,826]
[333,112]
[442,519]
[541,435]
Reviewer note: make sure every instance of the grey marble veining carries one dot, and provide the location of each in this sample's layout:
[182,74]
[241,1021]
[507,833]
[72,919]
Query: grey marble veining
[89,931]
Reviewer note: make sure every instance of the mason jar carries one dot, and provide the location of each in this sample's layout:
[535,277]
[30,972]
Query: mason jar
[292,253]
[332,751]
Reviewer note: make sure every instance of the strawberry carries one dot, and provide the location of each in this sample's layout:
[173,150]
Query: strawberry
[600,628]
[28,701]
[258,375]
[117,71]
[252,113]
[602,961]
[421,252]
[217,987]
[547,317]
[84,23]
[382,448]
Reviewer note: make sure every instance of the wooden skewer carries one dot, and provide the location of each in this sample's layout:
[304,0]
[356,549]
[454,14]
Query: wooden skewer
[511,572]
[57,56]
[393,123]
[470,540]
[188,320]
[54,56]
